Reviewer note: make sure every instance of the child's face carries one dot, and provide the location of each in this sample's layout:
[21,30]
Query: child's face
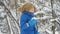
[31,10]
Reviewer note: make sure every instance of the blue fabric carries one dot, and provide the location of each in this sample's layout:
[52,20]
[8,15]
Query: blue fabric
[24,29]
[32,22]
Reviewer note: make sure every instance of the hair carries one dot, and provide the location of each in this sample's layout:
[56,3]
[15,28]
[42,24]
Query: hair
[26,7]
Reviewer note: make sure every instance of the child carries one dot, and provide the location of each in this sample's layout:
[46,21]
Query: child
[26,21]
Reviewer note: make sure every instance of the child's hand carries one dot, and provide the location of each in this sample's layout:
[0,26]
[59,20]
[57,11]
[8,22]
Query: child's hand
[33,21]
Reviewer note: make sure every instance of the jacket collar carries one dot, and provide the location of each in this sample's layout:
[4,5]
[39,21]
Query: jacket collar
[28,13]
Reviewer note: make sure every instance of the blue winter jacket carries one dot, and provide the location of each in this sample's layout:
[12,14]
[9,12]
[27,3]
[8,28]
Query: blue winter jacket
[24,29]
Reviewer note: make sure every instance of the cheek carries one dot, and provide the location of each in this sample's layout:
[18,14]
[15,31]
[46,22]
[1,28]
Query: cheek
[32,10]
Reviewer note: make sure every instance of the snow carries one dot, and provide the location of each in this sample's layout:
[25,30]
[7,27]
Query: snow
[42,6]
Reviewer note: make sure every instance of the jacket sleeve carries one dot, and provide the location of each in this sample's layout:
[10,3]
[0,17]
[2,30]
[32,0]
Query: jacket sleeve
[36,31]
[23,20]
[32,22]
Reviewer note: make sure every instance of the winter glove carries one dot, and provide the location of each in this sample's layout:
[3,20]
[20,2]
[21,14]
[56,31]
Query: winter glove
[33,21]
